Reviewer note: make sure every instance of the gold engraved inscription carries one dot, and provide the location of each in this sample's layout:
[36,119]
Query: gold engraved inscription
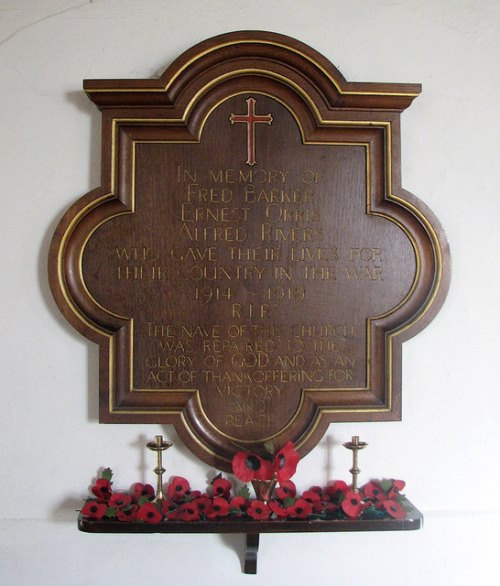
[364,264]
[254,243]
[249,366]
[234,263]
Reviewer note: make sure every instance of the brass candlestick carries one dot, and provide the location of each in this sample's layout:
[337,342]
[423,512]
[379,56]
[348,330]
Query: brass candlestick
[355,445]
[159,446]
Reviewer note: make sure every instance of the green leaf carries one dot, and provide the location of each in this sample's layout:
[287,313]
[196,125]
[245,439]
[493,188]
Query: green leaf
[269,446]
[288,502]
[386,484]
[244,492]
[373,513]
[110,512]
[107,474]
[143,500]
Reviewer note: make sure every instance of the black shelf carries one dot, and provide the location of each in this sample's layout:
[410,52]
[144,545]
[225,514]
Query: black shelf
[253,529]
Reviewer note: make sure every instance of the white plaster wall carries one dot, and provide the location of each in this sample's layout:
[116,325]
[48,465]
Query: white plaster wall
[447,445]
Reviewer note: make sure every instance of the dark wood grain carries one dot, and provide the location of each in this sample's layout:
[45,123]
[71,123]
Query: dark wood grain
[412,521]
[253,529]
[249,281]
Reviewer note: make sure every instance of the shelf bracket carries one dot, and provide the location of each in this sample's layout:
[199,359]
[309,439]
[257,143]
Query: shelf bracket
[251,553]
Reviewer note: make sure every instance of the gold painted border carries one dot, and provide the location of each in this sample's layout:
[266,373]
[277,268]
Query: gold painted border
[388,164]
[369,320]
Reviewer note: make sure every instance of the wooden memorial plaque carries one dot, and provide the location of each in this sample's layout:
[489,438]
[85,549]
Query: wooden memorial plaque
[251,265]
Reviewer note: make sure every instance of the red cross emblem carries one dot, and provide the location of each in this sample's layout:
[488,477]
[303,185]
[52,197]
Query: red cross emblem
[251,119]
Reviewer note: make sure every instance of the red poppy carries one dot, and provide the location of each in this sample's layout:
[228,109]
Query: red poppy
[94,510]
[351,505]
[221,487]
[119,500]
[102,489]
[168,505]
[189,512]
[140,490]
[373,491]
[127,514]
[278,509]
[149,513]
[329,508]
[335,490]
[314,499]
[204,504]
[317,489]
[219,508]
[286,489]
[238,504]
[397,487]
[311,497]
[169,509]
[285,462]
[300,509]
[394,509]
[178,488]
[258,510]
[398,484]
[248,466]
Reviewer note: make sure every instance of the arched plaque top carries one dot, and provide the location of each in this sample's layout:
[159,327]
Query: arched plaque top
[242,52]
[250,265]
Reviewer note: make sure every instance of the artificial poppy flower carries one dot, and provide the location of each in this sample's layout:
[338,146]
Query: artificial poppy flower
[351,505]
[248,466]
[258,510]
[219,508]
[178,488]
[285,462]
[300,509]
[286,489]
[169,509]
[189,512]
[127,514]
[119,500]
[329,509]
[334,491]
[102,489]
[314,498]
[396,488]
[204,504]
[278,509]
[311,497]
[149,513]
[394,509]
[94,510]
[238,505]
[317,489]
[140,490]
[221,487]
[398,485]
[168,505]
[373,491]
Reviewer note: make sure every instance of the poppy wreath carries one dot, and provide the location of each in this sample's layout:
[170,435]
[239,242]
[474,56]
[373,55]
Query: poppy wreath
[279,466]
[378,499]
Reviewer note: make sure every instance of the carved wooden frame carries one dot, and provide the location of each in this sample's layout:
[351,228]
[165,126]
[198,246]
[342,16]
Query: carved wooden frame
[177,105]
